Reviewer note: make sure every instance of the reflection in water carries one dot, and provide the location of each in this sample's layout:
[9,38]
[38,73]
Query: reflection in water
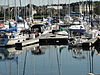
[98,52]
[3,53]
[37,51]
[50,60]
[78,53]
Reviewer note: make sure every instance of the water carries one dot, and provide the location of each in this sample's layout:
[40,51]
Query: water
[49,60]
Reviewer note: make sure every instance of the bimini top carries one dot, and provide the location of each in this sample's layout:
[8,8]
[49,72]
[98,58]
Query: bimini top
[11,28]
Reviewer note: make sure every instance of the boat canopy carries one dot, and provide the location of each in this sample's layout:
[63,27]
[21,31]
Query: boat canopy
[12,27]
[78,30]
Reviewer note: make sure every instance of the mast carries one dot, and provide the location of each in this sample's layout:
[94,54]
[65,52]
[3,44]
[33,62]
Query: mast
[8,10]
[86,8]
[25,9]
[4,11]
[30,9]
[4,14]
[19,8]
[59,9]
[52,8]
[48,3]
[91,12]
[15,11]
[20,3]
[69,8]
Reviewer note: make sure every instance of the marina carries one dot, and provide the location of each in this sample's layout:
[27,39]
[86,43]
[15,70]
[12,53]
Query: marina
[49,38]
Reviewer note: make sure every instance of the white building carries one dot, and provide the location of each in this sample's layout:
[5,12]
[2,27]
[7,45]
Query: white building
[55,7]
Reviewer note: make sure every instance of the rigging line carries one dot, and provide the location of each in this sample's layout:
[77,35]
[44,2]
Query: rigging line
[58,62]
[25,63]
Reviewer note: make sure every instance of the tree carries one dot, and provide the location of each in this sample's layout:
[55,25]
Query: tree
[1,14]
[97,7]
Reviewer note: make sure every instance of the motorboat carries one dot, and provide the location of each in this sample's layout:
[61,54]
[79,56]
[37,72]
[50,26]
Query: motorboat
[77,26]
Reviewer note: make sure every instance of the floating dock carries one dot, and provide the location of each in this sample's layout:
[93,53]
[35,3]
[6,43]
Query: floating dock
[19,45]
[53,39]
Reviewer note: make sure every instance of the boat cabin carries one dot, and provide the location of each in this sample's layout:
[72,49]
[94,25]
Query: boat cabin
[38,28]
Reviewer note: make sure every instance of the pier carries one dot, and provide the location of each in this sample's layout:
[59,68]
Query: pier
[53,39]
[19,45]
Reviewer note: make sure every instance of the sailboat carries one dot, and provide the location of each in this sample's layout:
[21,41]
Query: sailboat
[11,33]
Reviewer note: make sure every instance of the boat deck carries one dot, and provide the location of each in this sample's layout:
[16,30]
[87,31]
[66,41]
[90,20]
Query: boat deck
[30,42]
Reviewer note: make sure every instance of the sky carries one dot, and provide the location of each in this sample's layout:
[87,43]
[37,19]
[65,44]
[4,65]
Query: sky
[36,2]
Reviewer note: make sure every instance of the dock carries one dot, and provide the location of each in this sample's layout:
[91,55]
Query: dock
[19,45]
[30,42]
[53,39]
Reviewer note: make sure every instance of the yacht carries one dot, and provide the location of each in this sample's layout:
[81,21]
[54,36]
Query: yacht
[77,26]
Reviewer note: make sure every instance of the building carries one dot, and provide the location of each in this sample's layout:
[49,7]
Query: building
[57,7]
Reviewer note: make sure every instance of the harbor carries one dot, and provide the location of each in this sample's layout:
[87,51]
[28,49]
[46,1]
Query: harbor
[49,38]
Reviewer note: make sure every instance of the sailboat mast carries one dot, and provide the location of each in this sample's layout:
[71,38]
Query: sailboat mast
[4,10]
[91,12]
[59,9]
[4,14]
[25,9]
[19,8]
[15,12]
[8,10]
[69,8]
[20,3]
[30,9]
[52,9]
[86,7]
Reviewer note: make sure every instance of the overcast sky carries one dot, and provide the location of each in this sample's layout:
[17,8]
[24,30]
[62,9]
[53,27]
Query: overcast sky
[36,2]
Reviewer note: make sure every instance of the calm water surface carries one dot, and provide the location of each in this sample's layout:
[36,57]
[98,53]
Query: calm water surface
[49,60]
